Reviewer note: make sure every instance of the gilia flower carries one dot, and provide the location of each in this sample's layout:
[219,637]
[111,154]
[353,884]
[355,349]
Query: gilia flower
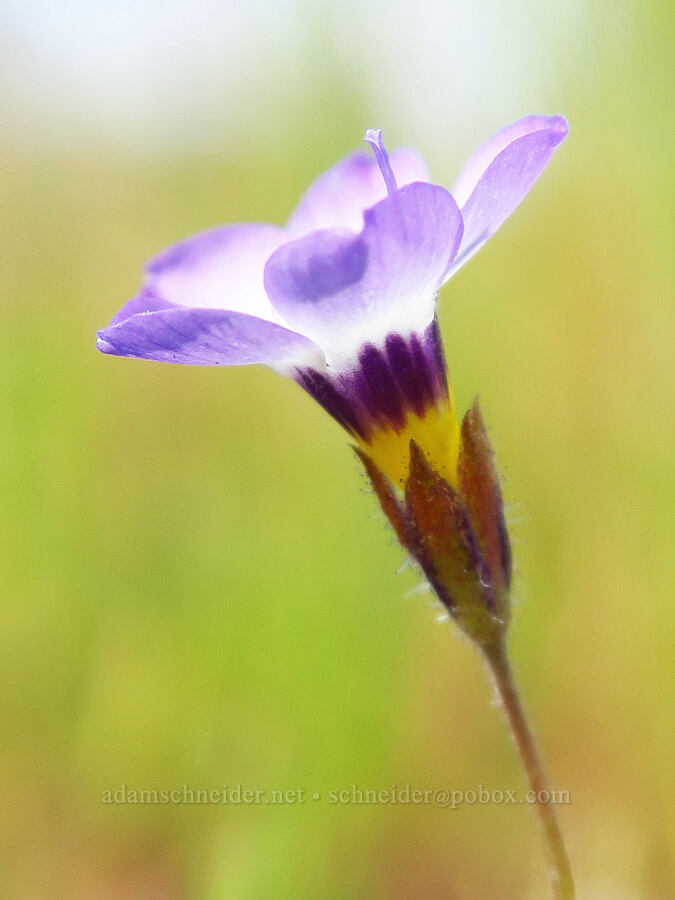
[343,300]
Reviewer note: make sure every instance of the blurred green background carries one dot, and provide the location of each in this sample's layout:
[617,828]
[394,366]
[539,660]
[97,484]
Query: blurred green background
[197,587]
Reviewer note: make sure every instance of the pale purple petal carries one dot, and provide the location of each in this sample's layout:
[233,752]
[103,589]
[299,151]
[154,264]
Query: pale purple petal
[338,198]
[345,290]
[500,174]
[482,157]
[207,337]
[218,269]
[143,303]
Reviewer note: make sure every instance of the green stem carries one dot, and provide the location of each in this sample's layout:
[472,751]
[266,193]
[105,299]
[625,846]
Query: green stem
[559,865]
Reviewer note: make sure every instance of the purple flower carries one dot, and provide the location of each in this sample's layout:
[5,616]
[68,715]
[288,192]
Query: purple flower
[343,298]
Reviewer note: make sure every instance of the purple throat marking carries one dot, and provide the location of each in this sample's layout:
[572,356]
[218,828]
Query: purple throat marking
[386,384]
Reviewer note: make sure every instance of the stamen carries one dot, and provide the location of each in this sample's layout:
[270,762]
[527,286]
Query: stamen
[374,138]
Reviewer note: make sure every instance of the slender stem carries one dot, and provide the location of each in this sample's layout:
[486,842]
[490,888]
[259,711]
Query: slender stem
[559,866]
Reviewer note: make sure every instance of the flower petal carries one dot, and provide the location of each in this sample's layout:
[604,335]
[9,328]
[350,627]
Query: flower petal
[338,198]
[145,302]
[207,337]
[218,269]
[500,174]
[345,290]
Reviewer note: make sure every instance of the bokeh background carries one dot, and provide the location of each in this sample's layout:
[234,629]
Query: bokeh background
[196,585]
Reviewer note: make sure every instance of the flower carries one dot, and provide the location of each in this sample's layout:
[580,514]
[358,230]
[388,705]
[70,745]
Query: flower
[343,298]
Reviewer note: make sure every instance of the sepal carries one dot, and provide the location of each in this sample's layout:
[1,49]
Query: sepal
[456,536]
[450,553]
[482,497]
[388,501]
